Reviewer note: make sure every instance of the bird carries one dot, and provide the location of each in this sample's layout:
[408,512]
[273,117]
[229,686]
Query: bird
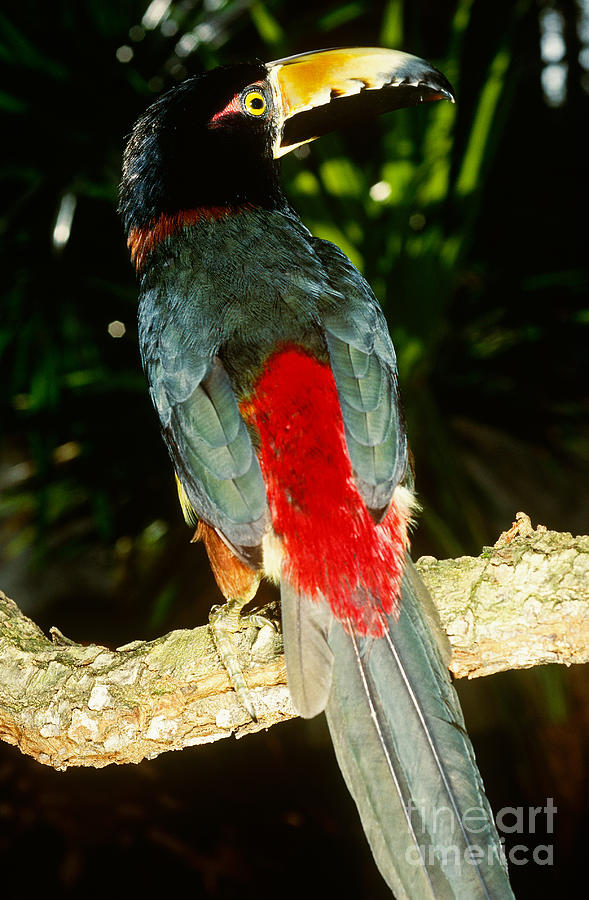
[274,377]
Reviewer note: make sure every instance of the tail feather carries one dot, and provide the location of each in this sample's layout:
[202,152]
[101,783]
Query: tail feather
[401,743]
[309,659]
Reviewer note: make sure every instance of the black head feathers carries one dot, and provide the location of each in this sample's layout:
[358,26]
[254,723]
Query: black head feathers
[183,154]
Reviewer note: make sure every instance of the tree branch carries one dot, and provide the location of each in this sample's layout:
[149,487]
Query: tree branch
[522,603]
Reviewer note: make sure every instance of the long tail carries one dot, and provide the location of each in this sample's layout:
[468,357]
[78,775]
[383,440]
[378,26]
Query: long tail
[401,743]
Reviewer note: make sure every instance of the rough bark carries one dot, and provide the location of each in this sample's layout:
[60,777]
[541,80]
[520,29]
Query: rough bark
[521,603]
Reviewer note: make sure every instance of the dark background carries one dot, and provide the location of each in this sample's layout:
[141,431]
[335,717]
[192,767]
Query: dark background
[477,249]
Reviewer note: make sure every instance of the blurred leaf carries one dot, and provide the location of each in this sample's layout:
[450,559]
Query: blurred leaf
[343,14]
[267,26]
[391,33]
[469,176]
[16,48]
[11,104]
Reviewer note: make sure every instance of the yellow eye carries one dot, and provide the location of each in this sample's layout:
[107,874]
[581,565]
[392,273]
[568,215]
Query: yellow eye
[254,103]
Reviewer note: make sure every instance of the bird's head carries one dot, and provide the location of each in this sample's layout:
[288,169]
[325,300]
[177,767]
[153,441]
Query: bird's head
[214,141]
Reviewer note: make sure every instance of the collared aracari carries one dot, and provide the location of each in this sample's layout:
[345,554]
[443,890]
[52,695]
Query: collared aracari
[274,377]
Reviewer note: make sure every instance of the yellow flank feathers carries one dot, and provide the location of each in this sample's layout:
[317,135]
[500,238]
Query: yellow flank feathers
[187,509]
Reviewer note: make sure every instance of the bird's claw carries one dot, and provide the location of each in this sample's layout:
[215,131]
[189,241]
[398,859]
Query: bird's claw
[225,621]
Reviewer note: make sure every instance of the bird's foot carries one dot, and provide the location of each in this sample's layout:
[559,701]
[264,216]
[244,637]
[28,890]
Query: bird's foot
[224,622]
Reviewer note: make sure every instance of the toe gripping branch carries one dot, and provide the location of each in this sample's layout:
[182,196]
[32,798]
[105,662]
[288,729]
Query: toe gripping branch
[224,622]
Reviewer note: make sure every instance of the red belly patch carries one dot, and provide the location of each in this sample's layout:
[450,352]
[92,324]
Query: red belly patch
[332,545]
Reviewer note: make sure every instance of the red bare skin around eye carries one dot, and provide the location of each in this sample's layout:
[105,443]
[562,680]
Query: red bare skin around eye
[233,108]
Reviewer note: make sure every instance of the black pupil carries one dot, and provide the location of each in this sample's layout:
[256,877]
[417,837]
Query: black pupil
[256,103]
